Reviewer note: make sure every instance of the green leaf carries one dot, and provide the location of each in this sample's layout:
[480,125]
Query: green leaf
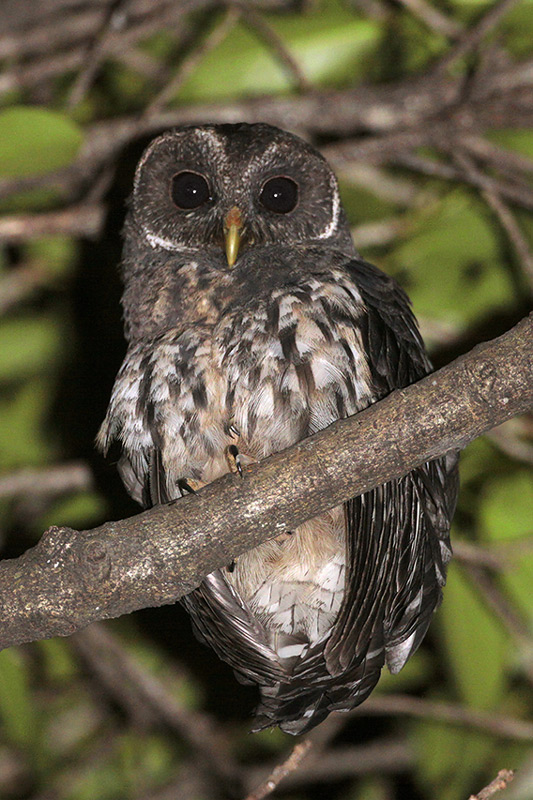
[129,767]
[29,345]
[517,139]
[57,254]
[476,645]
[371,788]
[361,204]
[449,758]
[24,439]
[34,141]
[331,46]
[451,264]
[516,29]
[18,711]
[183,687]
[59,663]
[40,198]
[506,516]
[411,45]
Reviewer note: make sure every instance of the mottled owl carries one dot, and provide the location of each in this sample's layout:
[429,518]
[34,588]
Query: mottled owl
[252,323]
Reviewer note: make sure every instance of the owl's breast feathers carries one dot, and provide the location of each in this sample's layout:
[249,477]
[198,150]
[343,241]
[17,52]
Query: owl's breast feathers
[311,618]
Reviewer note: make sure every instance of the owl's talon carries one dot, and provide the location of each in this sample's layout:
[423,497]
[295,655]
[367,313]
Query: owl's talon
[231,567]
[233,451]
[183,486]
[282,538]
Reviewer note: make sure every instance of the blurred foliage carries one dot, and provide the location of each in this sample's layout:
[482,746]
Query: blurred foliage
[63,734]
[332,48]
[24,131]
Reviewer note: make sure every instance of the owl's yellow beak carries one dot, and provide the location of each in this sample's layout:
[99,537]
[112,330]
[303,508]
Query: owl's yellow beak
[233,226]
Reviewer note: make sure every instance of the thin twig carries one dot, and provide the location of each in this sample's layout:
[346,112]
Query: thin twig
[503,779]
[297,755]
[275,43]
[504,727]
[49,481]
[377,234]
[499,556]
[434,19]
[69,40]
[490,193]
[189,64]
[510,439]
[95,52]
[380,182]
[79,221]
[474,36]
[405,115]
[133,686]
[469,553]
[389,755]
[20,284]
[498,157]
[517,194]
[514,624]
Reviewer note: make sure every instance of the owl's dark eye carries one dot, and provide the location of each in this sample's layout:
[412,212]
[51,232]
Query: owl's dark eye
[189,190]
[279,194]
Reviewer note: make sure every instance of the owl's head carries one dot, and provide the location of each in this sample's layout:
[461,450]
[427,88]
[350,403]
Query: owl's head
[227,188]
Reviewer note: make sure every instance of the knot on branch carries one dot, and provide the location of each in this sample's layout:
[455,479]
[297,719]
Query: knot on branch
[91,562]
[488,382]
[96,558]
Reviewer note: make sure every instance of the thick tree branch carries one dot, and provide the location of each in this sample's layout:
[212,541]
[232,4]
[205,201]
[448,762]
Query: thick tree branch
[71,579]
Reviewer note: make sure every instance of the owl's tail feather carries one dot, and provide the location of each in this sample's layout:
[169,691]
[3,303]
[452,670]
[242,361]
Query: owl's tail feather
[313,692]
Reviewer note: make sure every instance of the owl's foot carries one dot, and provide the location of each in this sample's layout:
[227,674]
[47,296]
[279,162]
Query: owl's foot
[235,459]
[282,538]
[231,567]
[185,487]
[233,431]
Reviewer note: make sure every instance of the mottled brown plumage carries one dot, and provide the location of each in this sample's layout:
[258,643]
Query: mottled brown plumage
[250,358]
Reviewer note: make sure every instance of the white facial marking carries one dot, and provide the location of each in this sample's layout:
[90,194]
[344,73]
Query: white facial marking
[158,241]
[331,227]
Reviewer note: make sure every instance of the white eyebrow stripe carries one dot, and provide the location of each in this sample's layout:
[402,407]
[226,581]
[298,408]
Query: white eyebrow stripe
[158,241]
[331,227]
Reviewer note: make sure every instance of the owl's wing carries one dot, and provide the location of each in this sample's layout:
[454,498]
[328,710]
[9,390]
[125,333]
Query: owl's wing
[398,543]
[398,534]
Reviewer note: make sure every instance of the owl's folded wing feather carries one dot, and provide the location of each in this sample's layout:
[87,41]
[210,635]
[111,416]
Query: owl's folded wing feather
[398,534]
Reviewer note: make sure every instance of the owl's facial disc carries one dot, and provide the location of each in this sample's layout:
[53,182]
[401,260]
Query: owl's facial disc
[215,191]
